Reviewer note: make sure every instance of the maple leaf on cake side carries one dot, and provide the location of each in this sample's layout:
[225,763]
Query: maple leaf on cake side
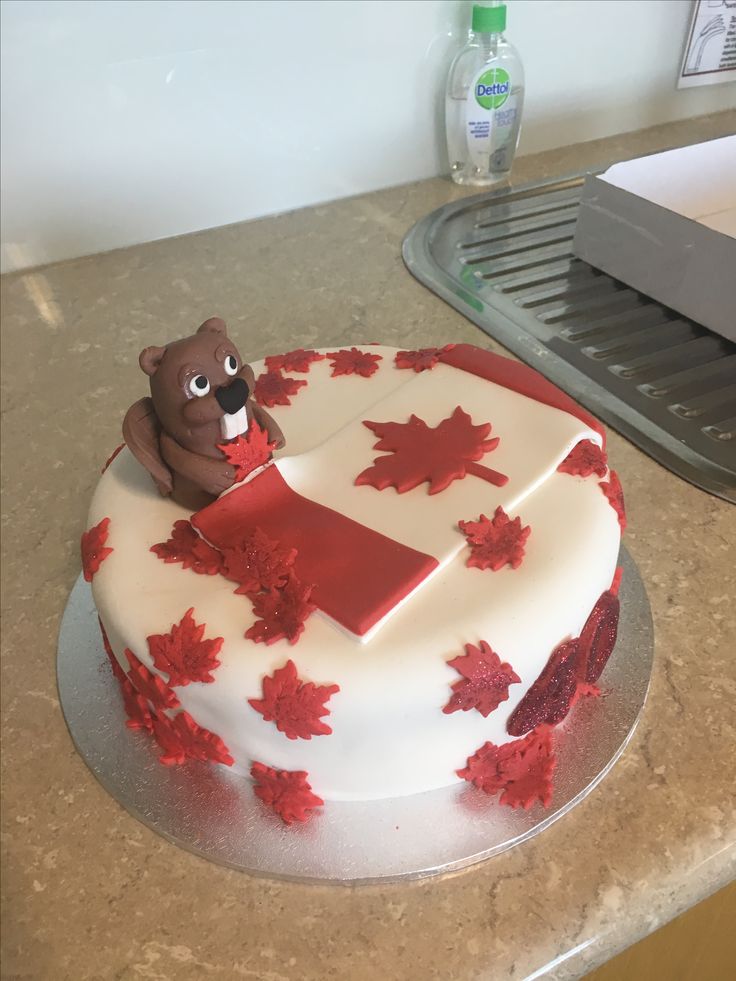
[549,699]
[150,685]
[354,362]
[287,792]
[485,681]
[299,360]
[259,563]
[439,455]
[112,456]
[521,769]
[281,613]
[94,552]
[182,739]
[496,543]
[295,706]
[248,452]
[186,546]
[423,359]
[183,653]
[584,459]
[273,388]
[615,493]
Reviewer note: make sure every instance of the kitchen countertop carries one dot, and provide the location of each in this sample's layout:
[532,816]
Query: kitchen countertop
[91,893]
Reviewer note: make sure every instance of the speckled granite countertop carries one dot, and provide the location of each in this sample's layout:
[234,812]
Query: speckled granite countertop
[91,893]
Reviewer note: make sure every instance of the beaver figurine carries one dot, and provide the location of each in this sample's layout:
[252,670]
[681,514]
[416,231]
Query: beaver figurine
[200,396]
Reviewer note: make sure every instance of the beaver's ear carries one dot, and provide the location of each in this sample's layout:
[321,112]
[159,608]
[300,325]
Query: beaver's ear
[215,325]
[150,359]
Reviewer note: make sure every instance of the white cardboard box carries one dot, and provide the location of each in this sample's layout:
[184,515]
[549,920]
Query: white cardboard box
[666,225]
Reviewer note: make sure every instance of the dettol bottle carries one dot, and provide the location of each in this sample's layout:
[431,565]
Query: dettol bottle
[485,97]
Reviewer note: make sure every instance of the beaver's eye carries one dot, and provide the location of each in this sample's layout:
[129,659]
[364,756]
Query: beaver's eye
[231,365]
[199,386]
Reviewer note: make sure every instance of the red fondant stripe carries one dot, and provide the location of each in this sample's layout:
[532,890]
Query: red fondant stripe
[359,575]
[519,378]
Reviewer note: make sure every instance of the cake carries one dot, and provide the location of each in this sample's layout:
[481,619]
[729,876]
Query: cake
[373,572]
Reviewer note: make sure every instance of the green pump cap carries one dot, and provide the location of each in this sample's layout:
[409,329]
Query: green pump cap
[489,20]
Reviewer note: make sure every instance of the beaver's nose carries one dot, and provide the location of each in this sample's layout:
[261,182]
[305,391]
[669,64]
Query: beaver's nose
[233,396]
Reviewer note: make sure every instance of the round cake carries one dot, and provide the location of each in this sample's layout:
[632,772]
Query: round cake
[410,592]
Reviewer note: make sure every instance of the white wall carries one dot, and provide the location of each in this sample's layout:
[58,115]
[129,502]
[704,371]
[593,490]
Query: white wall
[125,122]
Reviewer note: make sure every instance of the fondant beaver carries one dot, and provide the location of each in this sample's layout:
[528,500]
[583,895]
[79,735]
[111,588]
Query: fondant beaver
[200,396]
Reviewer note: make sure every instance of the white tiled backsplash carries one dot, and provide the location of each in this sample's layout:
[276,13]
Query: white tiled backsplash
[125,122]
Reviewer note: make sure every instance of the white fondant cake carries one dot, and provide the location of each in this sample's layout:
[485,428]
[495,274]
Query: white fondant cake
[389,734]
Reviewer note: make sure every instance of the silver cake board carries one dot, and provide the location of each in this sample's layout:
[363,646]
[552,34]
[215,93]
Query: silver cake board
[214,813]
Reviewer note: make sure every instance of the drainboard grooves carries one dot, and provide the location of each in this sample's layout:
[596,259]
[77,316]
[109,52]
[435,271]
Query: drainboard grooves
[663,338]
[504,259]
[692,380]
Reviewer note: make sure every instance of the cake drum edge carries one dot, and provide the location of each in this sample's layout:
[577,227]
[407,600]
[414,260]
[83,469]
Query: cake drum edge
[214,813]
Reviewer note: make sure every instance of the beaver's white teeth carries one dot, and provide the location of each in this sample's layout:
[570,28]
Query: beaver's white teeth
[233,424]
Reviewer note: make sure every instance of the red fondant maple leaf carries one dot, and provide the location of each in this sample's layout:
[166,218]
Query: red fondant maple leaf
[496,543]
[182,739]
[186,546]
[258,563]
[423,359]
[136,707]
[522,769]
[183,653]
[287,792]
[354,362]
[299,360]
[614,492]
[485,681]
[419,453]
[273,388]
[549,698]
[295,706]
[598,637]
[93,551]
[246,452]
[282,613]
[114,663]
[112,456]
[584,459]
[150,685]
[616,581]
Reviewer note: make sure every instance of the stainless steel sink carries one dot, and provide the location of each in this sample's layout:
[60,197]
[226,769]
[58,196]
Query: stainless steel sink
[504,259]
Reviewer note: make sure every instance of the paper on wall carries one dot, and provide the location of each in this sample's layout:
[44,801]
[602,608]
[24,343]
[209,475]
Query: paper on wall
[710,50]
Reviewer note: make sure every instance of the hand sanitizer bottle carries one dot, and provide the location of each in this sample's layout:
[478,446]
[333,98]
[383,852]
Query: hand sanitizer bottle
[485,96]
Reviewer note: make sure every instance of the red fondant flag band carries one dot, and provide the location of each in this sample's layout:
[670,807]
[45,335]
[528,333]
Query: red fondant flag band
[359,575]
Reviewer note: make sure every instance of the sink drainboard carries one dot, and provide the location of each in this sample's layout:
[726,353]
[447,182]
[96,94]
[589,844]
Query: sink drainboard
[504,259]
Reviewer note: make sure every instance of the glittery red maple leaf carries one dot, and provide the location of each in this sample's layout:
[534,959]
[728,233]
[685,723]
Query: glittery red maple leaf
[614,492]
[114,663]
[299,360]
[182,739]
[273,388]
[496,543]
[549,698]
[136,707]
[287,792]
[485,680]
[246,452]
[584,459]
[183,653]
[295,706]
[258,564]
[150,685]
[93,551]
[282,613]
[112,456]
[423,359]
[598,637]
[186,546]
[354,362]
[522,769]
[419,453]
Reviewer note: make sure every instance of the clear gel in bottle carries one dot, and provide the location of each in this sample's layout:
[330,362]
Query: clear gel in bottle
[484,102]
